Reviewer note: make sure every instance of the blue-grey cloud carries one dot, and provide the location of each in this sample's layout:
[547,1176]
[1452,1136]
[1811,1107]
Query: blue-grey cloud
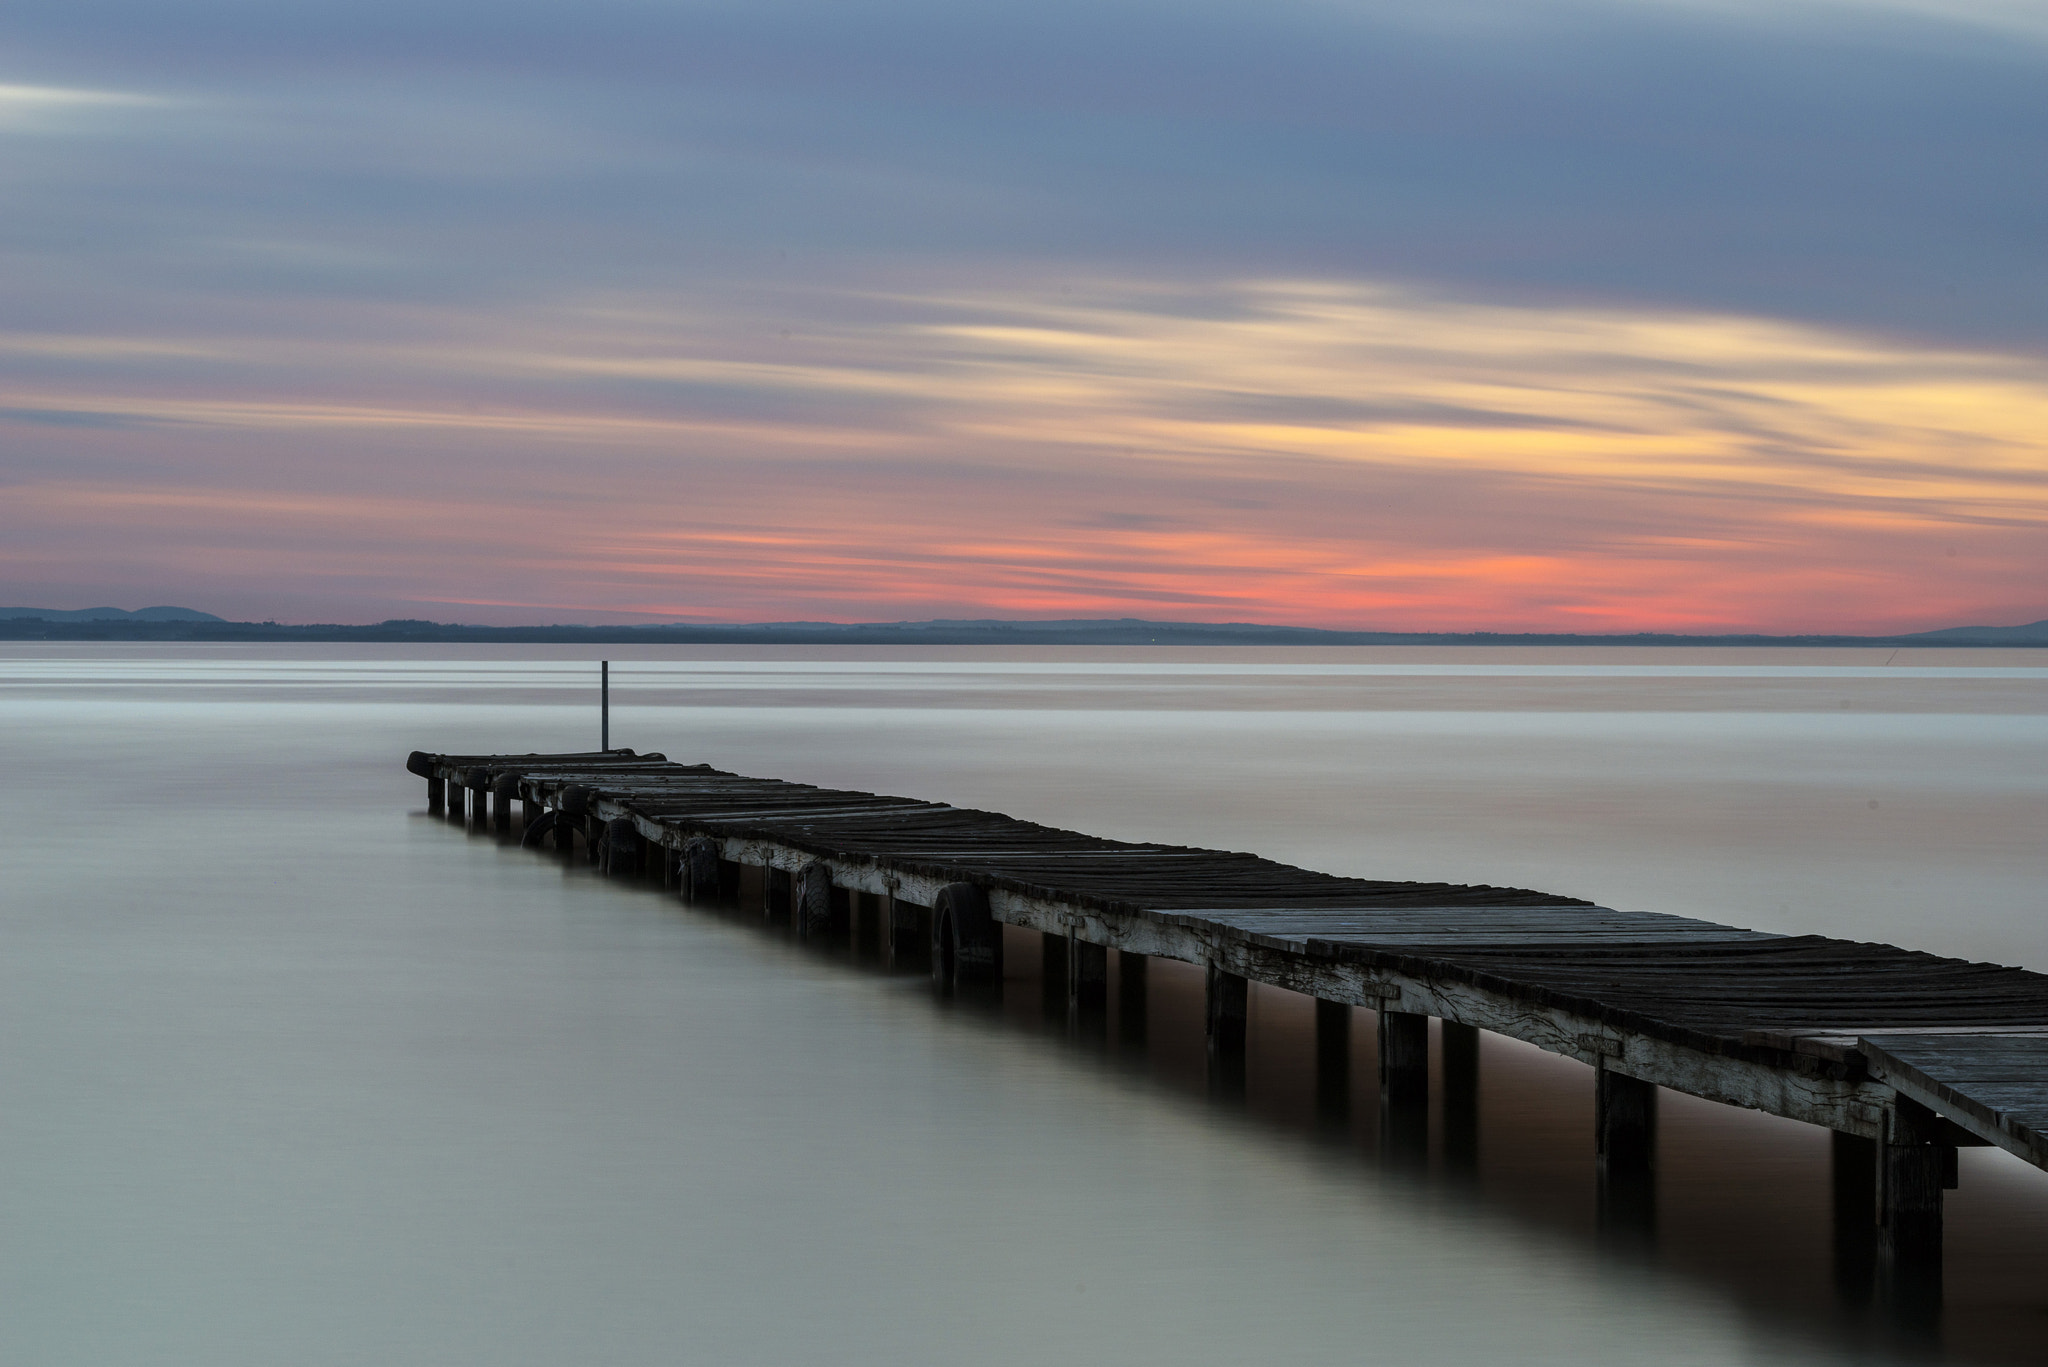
[1873,168]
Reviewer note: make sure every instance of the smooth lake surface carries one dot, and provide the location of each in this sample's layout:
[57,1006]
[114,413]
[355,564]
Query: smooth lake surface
[294,1073]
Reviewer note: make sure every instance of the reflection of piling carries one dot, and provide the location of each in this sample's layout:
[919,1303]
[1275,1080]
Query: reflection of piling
[1333,1062]
[1133,1005]
[1853,1162]
[1459,1045]
[1052,974]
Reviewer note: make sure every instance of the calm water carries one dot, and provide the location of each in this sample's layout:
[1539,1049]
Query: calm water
[297,1074]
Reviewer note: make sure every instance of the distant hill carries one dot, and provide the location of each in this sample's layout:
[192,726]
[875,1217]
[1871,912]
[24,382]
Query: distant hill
[109,615]
[2032,634]
[183,624]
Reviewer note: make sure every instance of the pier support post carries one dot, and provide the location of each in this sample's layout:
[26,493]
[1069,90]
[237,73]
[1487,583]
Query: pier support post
[1052,969]
[1624,1122]
[1333,1061]
[1460,1047]
[1625,1137]
[967,942]
[813,902]
[479,784]
[1228,999]
[437,796]
[777,892]
[700,870]
[565,833]
[503,792]
[1912,1162]
[1133,1006]
[1404,1084]
[1087,974]
[622,848]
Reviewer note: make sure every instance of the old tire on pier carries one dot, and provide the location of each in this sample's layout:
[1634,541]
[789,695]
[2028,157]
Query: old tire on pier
[811,908]
[537,829]
[967,942]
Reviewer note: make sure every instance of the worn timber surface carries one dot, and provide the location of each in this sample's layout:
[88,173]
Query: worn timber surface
[1779,1001]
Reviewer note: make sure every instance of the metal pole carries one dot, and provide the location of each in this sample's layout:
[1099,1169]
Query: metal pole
[604,705]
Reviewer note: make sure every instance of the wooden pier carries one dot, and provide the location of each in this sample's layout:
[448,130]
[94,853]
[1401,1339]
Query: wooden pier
[1904,1056]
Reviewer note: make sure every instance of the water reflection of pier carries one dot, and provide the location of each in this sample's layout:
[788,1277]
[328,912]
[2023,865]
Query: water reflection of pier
[1904,1057]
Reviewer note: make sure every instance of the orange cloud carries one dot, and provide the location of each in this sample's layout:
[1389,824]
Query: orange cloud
[1309,451]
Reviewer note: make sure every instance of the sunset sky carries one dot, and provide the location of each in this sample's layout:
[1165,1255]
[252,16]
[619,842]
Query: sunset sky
[1520,315]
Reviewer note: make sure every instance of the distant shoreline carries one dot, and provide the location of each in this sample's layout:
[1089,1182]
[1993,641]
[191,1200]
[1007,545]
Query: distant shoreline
[953,633]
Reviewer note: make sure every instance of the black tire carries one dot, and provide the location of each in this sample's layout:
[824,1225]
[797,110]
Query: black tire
[538,829]
[967,942]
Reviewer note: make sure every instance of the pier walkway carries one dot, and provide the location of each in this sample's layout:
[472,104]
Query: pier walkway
[1904,1055]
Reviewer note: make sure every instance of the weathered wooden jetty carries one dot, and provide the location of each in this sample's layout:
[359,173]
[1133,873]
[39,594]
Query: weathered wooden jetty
[1904,1056]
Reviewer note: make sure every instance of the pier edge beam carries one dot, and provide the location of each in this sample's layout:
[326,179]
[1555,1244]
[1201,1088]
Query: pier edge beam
[1226,1001]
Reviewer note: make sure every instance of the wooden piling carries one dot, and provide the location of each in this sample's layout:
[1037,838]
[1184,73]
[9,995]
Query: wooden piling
[812,908]
[700,871]
[1052,966]
[1624,1122]
[437,796]
[504,791]
[1227,1000]
[1087,974]
[1912,1160]
[1459,1046]
[1404,1085]
[1625,1140]
[1404,1057]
